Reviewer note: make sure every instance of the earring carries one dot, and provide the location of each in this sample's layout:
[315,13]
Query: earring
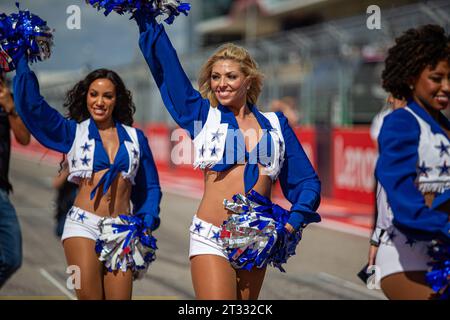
[411,87]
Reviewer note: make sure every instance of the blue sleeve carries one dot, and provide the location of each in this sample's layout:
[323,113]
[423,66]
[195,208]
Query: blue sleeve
[396,171]
[184,103]
[46,124]
[146,193]
[299,182]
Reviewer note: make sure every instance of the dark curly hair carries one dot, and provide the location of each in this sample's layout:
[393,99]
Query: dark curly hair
[413,51]
[76,98]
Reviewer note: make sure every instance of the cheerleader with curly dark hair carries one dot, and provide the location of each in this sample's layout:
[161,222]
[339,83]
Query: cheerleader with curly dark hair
[413,168]
[109,160]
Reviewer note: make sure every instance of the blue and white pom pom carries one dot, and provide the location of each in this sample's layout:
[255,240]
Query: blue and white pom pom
[20,33]
[168,8]
[255,235]
[439,275]
[124,244]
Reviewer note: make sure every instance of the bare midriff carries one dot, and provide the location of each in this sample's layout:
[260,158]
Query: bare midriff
[114,202]
[223,185]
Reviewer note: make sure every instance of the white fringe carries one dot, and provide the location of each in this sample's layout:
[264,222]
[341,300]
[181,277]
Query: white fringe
[439,187]
[204,164]
[77,176]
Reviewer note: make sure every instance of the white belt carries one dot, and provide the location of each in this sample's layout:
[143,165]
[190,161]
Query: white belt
[206,230]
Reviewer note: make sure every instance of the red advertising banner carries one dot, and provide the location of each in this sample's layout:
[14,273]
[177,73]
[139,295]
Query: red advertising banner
[158,135]
[182,153]
[354,156]
[307,137]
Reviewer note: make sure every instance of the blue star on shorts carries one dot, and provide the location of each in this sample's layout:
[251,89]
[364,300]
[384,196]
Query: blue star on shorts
[216,236]
[81,217]
[198,227]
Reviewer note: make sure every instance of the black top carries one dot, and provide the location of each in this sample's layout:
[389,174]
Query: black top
[5,151]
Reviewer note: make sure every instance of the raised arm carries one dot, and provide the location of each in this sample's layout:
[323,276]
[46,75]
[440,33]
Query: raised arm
[146,194]
[298,180]
[396,171]
[46,124]
[184,103]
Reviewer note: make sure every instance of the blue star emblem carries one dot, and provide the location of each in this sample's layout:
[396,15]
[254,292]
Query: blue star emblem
[443,149]
[444,169]
[392,235]
[81,217]
[198,227]
[423,169]
[135,153]
[281,143]
[74,162]
[202,151]
[85,161]
[134,166]
[86,147]
[214,151]
[216,135]
[410,241]
[71,211]
[216,236]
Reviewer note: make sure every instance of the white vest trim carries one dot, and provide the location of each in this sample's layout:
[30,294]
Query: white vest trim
[213,135]
[274,168]
[430,155]
[134,154]
[81,155]
[211,138]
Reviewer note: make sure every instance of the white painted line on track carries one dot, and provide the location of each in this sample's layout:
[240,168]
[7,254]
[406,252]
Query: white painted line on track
[55,282]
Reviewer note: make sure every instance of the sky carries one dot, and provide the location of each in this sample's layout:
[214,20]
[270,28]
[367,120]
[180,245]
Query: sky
[101,41]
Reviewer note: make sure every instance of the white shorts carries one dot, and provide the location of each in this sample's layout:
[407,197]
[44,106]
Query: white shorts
[205,239]
[397,253]
[81,223]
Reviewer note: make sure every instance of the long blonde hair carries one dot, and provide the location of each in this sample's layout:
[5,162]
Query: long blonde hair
[249,68]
